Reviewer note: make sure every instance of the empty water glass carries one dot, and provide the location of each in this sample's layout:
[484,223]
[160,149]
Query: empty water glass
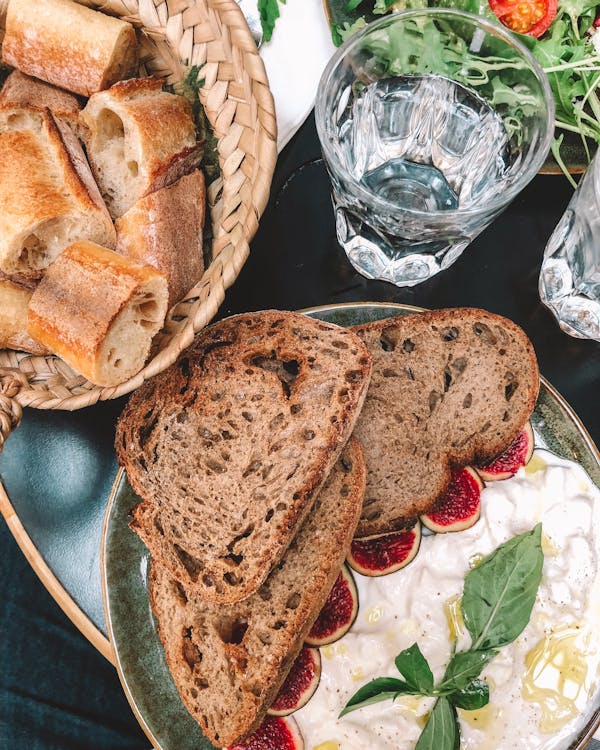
[570,275]
[431,121]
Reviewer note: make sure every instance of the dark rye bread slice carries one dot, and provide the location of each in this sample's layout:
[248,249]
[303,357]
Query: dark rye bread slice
[229,661]
[230,446]
[449,388]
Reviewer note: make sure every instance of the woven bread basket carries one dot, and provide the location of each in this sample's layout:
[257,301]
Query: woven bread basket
[234,91]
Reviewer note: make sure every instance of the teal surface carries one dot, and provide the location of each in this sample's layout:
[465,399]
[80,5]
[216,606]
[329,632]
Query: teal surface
[58,468]
[140,658]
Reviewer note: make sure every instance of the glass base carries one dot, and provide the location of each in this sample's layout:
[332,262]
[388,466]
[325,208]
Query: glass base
[400,261]
[576,313]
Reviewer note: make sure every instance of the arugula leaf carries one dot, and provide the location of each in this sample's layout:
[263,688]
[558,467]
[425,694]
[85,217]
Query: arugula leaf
[381,689]
[413,666]
[269,13]
[500,592]
[474,695]
[441,731]
[464,667]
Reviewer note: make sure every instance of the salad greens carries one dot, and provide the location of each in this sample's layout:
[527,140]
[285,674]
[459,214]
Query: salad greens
[565,51]
[498,597]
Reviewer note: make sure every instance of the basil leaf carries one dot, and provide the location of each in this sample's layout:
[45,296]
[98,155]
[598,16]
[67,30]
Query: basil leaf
[381,689]
[500,592]
[474,695]
[464,667]
[269,13]
[413,666]
[441,731]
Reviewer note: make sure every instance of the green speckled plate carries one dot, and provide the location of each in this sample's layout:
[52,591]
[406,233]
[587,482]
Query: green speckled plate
[139,656]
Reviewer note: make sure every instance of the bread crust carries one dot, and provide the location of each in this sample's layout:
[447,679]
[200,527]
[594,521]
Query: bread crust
[164,229]
[309,569]
[441,397]
[44,180]
[68,44]
[245,354]
[79,300]
[149,130]
[21,90]
[14,299]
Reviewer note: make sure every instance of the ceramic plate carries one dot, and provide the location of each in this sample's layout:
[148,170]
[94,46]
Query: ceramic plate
[139,655]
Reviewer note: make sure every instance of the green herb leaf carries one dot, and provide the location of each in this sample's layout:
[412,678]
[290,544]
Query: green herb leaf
[353,4]
[474,695]
[381,689]
[441,731]
[269,13]
[464,667]
[500,592]
[413,666]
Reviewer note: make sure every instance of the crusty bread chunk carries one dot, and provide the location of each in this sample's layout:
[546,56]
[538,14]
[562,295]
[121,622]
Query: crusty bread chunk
[164,229]
[449,388]
[229,661]
[68,45]
[14,299]
[99,312]
[48,198]
[139,140]
[233,442]
[21,90]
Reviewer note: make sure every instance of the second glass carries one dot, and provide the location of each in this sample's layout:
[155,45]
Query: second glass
[430,121]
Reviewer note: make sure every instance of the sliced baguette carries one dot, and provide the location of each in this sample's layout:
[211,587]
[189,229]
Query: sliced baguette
[68,45]
[139,139]
[449,388]
[229,661]
[21,90]
[164,229]
[48,198]
[234,441]
[99,312]
[14,299]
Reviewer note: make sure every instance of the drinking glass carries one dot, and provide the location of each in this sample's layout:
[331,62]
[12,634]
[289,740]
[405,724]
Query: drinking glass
[570,274]
[430,121]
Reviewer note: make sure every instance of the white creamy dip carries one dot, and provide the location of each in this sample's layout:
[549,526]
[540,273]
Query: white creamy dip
[543,687]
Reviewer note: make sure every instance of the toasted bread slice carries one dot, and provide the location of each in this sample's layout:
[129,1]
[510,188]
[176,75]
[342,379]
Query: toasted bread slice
[229,661]
[234,441]
[449,388]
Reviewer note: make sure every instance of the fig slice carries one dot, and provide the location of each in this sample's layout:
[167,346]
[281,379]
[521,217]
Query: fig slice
[338,612]
[275,733]
[385,553]
[461,505]
[508,463]
[300,684]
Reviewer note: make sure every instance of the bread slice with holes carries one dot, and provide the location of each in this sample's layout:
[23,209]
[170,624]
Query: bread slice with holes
[99,312]
[139,139]
[229,661]
[48,197]
[449,388]
[230,446]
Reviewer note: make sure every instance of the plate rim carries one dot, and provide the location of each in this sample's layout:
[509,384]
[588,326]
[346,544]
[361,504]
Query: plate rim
[587,731]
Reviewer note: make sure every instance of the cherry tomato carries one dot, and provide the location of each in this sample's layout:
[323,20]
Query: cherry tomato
[531,17]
